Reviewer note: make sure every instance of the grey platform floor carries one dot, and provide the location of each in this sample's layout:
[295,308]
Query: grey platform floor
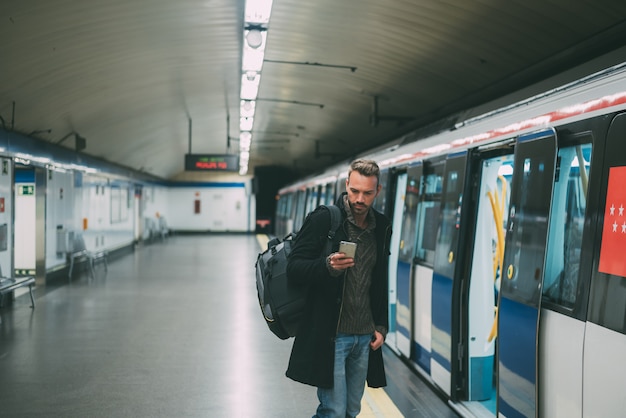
[172,330]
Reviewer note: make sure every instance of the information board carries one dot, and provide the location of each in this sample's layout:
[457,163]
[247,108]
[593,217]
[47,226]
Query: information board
[211,162]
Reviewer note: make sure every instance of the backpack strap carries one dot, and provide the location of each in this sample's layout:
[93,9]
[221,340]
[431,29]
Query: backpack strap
[335,223]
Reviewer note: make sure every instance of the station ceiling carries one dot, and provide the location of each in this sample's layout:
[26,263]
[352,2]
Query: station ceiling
[147,81]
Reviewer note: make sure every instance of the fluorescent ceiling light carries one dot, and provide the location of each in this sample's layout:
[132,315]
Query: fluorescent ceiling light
[244,158]
[256,19]
[255,38]
[243,169]
[245,138]
[250,86]
[247,108]
[245,124]
[253,50]
[258,11]
[252,59]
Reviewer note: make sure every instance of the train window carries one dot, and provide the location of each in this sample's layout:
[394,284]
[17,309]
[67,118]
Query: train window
[312,199]
[527,227]
[332,193]
[322,196]
[328,194]
[288,211]
[340,186]
[428,216]
[381,200]
[289,214]
[409,218]
[299,210]
[449,226]
[565,236]
[281,210]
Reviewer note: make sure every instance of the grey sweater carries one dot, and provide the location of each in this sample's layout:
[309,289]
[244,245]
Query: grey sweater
[356,314]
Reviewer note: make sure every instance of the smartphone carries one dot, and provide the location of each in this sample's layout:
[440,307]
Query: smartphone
[348,248]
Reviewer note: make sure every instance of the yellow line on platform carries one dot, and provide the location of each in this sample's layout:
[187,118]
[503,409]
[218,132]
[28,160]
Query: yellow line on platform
[377,404]
[263,240]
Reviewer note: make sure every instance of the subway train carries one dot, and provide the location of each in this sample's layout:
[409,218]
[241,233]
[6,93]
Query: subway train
[507,277]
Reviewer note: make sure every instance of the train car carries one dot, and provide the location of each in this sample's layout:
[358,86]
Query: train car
[507,278]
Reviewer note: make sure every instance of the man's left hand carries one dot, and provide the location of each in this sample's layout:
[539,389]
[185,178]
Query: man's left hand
[377,341]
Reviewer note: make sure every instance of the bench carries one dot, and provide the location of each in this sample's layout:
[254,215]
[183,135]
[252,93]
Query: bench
[155,228]
[164,230]
[9,284]
[79,250]
[151,230]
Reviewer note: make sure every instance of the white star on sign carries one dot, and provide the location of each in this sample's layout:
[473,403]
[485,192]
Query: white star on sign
[612,210]
[624,228]
[614,226]
[621,210]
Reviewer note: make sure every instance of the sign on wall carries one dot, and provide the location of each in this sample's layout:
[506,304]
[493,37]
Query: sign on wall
[211,162]
[26,189]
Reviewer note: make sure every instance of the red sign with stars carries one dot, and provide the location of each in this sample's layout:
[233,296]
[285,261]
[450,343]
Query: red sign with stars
[612,258]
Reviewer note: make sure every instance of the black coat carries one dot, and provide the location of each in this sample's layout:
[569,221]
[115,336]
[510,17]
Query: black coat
[313,351]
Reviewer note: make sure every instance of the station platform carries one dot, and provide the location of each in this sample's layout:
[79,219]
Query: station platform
[171,330]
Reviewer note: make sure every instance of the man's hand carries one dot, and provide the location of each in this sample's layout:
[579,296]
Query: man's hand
[339,261]
[377,340]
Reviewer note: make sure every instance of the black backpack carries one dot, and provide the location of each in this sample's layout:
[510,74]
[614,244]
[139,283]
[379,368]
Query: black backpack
[283,303]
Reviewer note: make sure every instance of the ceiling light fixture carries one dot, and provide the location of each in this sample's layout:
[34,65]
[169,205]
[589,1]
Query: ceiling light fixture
[244,141]
[250,87]
[258,11]
[256,22]
[255,37]
[245,124]
[247,108]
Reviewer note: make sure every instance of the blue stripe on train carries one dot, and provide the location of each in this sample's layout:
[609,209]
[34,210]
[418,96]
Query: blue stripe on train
[517,339]
[403,291]
[442,319]
[421,357]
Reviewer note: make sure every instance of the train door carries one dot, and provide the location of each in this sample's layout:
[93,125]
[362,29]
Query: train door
[604,368]
[397,325]
[398,186]
[430,182]
[449,253]
[523,267]
[564,294]
[493,169]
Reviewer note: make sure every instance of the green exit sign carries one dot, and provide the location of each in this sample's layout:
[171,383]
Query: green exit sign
[25,190]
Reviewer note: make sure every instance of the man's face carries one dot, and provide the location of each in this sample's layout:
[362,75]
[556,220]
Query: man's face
[362,191]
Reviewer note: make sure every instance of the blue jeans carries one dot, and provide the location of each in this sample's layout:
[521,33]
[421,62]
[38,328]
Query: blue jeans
[351,360]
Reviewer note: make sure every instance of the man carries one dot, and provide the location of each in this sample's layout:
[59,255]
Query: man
[337,346]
